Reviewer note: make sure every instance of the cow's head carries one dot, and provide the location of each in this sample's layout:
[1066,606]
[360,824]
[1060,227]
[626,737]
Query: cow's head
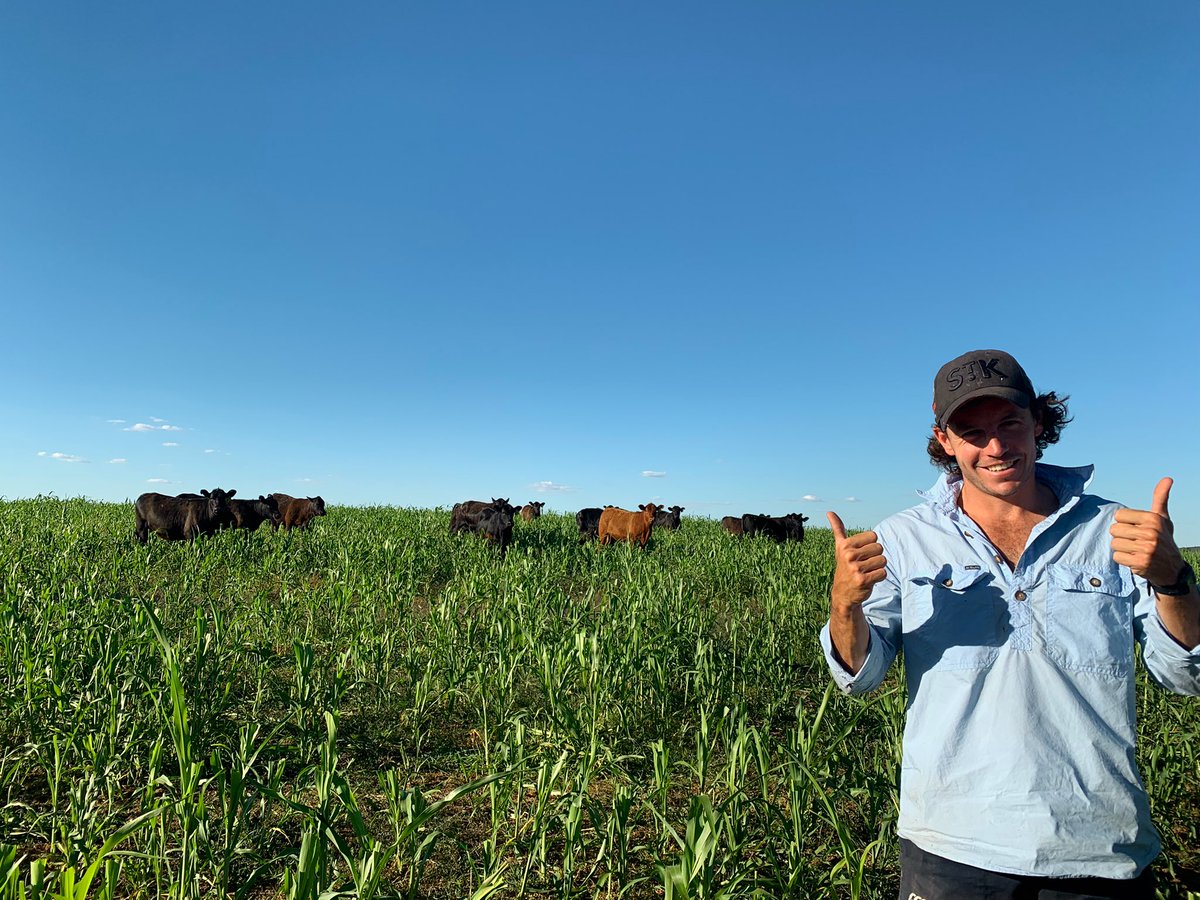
[218,500]
[318,505]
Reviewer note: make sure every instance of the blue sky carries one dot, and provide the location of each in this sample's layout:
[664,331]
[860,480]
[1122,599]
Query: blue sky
[708,253]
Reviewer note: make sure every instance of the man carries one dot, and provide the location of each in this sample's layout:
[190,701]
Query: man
[1017,599]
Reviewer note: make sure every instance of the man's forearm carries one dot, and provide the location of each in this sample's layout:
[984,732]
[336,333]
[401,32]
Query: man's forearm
[1180,616]
[850,635]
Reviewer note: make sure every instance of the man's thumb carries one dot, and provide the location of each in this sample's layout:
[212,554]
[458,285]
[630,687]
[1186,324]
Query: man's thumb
[835,522]
[1161,494]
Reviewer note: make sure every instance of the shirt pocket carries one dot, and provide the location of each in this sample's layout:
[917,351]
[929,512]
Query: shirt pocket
[1089,618]
[954,618]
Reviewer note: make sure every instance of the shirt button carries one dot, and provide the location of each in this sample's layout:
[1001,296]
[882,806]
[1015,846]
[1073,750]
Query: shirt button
[996,557]
[949,582]
[1019,595]
[1095,582]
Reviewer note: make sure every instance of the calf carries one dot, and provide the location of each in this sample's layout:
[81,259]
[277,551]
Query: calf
[623,525]
[532,510]
[668,518]
[588,521]
[181,518]
[249,514]
[732,524]
[297,512]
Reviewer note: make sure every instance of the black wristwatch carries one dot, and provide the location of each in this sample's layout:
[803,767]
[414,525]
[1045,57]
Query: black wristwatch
[1183,584]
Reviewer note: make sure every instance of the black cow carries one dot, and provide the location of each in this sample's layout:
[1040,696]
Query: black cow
[668,518]
[795,526]
[496,526]
[249,514]
[184,517]
[465,516]
[732,524]
[778,528]
[588,521]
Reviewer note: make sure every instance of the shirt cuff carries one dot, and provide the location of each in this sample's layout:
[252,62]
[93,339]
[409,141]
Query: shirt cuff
[867,678]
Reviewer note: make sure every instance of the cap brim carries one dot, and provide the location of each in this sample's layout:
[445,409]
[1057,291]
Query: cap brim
[1013,395]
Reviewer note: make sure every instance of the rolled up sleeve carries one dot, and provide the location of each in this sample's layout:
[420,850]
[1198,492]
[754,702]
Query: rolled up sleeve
[1169,663]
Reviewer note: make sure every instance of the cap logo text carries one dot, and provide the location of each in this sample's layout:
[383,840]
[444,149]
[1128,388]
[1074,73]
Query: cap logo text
[975,370]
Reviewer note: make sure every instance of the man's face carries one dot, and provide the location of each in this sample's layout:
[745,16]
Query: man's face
[994,443]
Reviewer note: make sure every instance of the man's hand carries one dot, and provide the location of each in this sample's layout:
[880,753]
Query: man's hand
[860,564]
[1144,539]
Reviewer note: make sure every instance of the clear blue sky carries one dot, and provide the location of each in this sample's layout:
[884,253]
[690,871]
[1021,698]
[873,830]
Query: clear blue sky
[709,253]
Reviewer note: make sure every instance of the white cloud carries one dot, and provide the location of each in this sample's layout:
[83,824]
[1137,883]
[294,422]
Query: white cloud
[142,426]
[306,480]
[118,460]
[210,451]
[170,444]
[156,419]
[116,421]
[549,487]
[649,473]
[63,457]
[811,498]
[852,500]
[159,481]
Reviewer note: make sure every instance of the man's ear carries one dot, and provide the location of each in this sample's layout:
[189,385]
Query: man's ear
[944,440]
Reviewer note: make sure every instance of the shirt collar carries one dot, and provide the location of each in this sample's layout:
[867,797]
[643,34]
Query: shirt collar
[1067,482]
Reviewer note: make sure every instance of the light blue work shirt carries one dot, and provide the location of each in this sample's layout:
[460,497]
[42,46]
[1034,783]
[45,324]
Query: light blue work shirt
[1019,740]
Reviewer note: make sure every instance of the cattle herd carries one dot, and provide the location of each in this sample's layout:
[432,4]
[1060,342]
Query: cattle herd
[187,516]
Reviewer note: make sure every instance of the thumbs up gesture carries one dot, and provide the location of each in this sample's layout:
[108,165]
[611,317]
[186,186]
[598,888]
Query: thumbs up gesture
[860,564]
[1144,540]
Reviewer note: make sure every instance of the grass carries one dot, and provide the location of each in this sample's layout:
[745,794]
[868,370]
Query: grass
[374,708]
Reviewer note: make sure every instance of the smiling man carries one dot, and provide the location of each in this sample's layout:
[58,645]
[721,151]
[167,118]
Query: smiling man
[1017,599]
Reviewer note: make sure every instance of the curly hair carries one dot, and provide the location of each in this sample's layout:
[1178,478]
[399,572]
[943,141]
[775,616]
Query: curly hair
[1049,409]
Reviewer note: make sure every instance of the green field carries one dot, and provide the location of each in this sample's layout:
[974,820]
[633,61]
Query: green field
[375,708]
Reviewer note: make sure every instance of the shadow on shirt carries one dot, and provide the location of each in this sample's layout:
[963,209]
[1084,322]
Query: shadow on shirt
[954,619]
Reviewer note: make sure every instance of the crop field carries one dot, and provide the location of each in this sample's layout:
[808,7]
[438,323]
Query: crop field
[375,708]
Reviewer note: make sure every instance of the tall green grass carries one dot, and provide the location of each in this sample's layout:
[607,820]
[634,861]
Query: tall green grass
[376,708]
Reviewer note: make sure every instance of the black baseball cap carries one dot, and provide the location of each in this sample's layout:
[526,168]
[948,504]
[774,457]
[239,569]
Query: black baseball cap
[979,373]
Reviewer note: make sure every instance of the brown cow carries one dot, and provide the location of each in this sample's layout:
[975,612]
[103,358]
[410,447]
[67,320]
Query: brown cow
[532,510]
[622,525]
[297,512]
[732,524]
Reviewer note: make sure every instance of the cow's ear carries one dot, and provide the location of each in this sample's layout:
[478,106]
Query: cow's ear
[204,492]
[641,506]
[230,494]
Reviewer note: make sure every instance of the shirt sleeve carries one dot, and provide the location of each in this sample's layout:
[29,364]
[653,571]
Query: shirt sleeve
[883,612]
[1169,663]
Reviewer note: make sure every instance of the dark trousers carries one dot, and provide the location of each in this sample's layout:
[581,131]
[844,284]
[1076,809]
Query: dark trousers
[924,876]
